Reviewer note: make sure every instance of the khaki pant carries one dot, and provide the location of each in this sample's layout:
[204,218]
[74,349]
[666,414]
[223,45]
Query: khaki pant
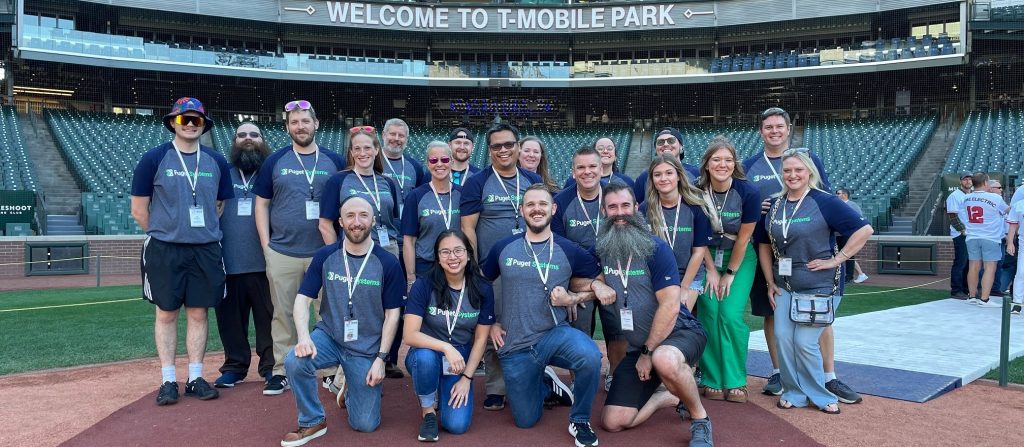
[495,383]
[285,274]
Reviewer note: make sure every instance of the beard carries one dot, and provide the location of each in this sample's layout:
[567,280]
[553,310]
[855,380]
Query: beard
[356,235]
[618,242]
[248,157]
[537,228]
[303,140]
[395,151]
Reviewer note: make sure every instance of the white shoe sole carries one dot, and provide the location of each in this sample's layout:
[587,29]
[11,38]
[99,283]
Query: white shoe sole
[572,431]
[562,388]
[276,392]
[303,441]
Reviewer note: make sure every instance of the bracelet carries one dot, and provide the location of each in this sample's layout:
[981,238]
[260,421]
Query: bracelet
[844,254]
[468,377]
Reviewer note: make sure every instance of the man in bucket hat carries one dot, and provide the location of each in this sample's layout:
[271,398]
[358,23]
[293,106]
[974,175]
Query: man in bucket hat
[177,191]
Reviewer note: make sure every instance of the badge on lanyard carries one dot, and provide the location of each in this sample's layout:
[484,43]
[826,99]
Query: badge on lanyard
[719,257]
[195,217]
[785,266]
[245,207]
[382,235]
[626,319]
[446,368]
[312,210]
[517,230]
[351,330]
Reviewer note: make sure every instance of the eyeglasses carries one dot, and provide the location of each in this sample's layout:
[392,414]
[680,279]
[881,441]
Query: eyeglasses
[362,128]
[253,135]
[300,104]
[794,151]
[508,145]
[185,120]
[457,252]
[435,160]
[665,141]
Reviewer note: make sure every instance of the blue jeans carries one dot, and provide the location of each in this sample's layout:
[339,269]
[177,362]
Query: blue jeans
[363,402]
[562,346]
[958,272]
[427,378]
[803,377]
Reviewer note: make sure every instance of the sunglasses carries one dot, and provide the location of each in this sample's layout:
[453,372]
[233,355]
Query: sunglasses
[508,145]
[185,120]
[252,135]
[362,128]
[301,104]
[794,151]
[665,141]
[435,160]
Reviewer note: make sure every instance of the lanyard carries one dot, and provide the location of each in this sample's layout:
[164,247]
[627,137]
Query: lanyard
[398,177]
[671,234]
[194,179]
[245,183]
[455,319]
[375,195]
[353,282]
[772,167]
[309,173]
[545,273]
[590,222]
[447,216]
[501,181]
[624,276]
[716,209]
[786,223]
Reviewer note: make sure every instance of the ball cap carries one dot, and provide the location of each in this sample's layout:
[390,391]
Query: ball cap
[187,104]
[460,132]
[965,175]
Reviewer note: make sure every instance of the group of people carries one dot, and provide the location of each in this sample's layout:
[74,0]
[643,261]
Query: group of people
[501,267]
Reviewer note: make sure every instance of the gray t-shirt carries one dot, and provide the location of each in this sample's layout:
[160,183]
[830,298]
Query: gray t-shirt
[526,313]
[687,227]
[765,176]
[241,243]
[497,206]
[377,189]
[427,221]
[161,177]
[283,180]
[380,287]
[739,205]
[423,302]
[407,174]
[575,220]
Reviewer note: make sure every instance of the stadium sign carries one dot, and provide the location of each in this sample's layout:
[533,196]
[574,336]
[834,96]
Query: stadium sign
[17,207]
[494,18]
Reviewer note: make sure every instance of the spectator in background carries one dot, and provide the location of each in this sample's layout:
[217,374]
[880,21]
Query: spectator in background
[1014,219]
[853,270]
[1006,266]
[983,215]
[533,157]
[958,272]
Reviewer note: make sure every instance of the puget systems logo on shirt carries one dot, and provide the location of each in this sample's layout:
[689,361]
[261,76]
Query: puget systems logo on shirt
[762,178]
[634,272]
[286,171]
[513,262]
[177,173]
[429,212]
[331,276]
[492,198]
[573,223]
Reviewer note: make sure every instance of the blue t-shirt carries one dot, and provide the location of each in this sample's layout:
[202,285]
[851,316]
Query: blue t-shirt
[380,287]
[161,177]
[768,182]
[407,174]
[526,313]
[423,302]
[283,180]
[424,217]
[241,243]
[497,205]
[575,220]
[687,227]
[379,190]
[811,236]
[460,177]
[640,184]
[741,204]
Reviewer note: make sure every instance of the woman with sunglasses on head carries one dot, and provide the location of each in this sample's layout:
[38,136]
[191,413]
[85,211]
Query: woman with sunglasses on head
[605,148]
[533,157]
[436,206]
[448,316]
[797,248]
[734,207]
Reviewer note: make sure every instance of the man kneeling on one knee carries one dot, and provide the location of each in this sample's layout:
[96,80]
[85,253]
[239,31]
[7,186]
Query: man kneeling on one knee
[363,288]
[665,340]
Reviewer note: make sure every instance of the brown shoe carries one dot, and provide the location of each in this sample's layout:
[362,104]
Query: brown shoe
[714,394]
[302,435]
[738,395]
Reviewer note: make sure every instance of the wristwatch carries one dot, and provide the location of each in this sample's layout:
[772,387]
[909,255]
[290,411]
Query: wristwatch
[644,350]
[730,271]
[383,356]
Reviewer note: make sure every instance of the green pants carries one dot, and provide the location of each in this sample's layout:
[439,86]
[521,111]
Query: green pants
[724,363]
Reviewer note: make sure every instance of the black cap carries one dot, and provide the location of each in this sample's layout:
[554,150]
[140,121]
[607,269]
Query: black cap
[460,132]
[966,174]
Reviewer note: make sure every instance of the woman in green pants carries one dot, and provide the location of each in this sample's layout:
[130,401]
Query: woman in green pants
[734,205]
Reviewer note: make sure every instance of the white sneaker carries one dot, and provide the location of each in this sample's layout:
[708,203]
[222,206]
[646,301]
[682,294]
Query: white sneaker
[990,303]
[972,301]
[559,388]
[1015,309]
[860,278]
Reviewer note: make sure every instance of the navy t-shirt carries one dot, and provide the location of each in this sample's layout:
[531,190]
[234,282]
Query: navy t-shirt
[423,302]
[575,220]
[372,188]
[687,227]
[424,217]
[760,173]
[161,177]
[640,184]
[741,204]
[241,242]
[497,206]
[283,180]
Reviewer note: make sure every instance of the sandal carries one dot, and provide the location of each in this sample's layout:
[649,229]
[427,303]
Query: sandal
[784,404]
[738,395]
[714,394]
[828,409]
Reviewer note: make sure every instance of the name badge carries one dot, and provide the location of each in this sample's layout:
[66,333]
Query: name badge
[351,330]
[719,257]
[196,218]
[626,319]
[382,236]
[312,210]
[785,266]
[245,207]
[516,231]
[446,368]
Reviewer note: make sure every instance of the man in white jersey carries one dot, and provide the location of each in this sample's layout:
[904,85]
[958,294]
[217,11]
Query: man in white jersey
[958,271]
[1012,242]
[982,214]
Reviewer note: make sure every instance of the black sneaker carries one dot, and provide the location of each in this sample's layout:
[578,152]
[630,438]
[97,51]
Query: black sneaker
[700,433]
[168,394]
[1015,310]
[774,385]
[845,394]
[559,390]
[392,371]
[428,429]
[494,402]
[276,385]
[585,436]
[201,389]
[682,411]
[958,295]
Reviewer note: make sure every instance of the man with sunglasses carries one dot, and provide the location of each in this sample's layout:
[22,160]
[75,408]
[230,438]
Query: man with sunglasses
[461,142]
[490,212]
[667,140]
[287,213]
[764,170]
[248,290]
[178,189]
[406,172]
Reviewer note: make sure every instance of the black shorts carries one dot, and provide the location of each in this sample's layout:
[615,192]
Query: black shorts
[629,391]
[182,274]
[760,306]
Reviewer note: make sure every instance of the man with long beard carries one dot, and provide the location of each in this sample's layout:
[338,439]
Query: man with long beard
[665,340]
[248,290]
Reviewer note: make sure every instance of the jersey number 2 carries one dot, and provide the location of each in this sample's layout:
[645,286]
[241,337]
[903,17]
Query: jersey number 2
[975,214]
